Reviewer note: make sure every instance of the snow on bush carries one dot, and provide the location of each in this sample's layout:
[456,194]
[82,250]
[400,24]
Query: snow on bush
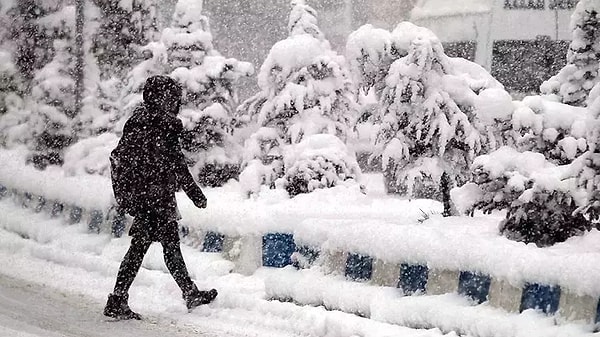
[319,161]
[305,89]
[572,85]
[540,197]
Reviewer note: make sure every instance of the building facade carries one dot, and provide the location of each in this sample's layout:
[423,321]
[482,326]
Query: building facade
[522,42]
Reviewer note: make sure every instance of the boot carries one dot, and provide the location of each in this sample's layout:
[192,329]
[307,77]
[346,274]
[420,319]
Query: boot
[117,307]
[196,297]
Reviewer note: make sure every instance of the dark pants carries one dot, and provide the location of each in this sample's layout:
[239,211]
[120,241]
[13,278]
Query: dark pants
[133,261]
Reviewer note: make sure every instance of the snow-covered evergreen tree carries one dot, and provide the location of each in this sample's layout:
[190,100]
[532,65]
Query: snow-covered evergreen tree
[51,123]
[208,81]
[573,83]
[185,51]
[305,89]
[435,117]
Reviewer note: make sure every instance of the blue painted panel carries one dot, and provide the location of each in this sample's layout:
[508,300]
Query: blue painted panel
[540,297]
[310,255]
[475,286]
[359,267]
[277,249]
[96,219]
[413,278]
[75,215]
[57,209]
[119,223]
[213,242]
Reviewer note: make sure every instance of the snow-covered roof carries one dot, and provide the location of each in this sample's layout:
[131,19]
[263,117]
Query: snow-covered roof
[436,8]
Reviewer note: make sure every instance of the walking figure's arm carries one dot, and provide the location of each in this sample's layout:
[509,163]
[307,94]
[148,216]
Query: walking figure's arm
[184,178]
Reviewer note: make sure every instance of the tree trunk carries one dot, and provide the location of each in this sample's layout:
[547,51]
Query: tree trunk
[79,56]
[446,185]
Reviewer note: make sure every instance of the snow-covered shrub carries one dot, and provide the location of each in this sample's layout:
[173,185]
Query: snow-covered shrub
[13,124]
[319,161]
[573,83]
[305,88]
[436,114]
[540,198]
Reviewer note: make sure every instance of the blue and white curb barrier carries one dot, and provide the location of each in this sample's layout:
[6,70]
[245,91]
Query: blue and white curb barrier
[251,251]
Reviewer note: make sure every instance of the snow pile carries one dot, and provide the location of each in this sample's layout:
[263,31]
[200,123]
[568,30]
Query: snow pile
[74,271]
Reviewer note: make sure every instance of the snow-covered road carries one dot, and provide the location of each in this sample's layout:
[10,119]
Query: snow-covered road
[30,309]
[55,278]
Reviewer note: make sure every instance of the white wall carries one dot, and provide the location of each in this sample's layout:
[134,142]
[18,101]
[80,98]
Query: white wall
[499,24]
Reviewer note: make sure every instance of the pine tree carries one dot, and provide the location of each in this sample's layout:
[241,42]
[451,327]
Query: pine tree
[305,90]
[51,123]
[428,130]
[210,97]
[185,51]
[575,81]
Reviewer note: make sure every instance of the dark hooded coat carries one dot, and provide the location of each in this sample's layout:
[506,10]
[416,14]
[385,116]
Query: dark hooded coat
[150,147]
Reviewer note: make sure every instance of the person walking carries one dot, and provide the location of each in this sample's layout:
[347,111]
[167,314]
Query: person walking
[147,168]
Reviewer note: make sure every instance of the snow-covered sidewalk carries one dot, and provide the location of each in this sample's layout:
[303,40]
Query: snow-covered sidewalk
[67,263]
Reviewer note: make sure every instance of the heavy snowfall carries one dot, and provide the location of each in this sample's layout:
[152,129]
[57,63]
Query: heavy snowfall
[372,168]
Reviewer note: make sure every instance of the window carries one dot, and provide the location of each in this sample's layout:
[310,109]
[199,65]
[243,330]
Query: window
[563,4]
[526,4]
